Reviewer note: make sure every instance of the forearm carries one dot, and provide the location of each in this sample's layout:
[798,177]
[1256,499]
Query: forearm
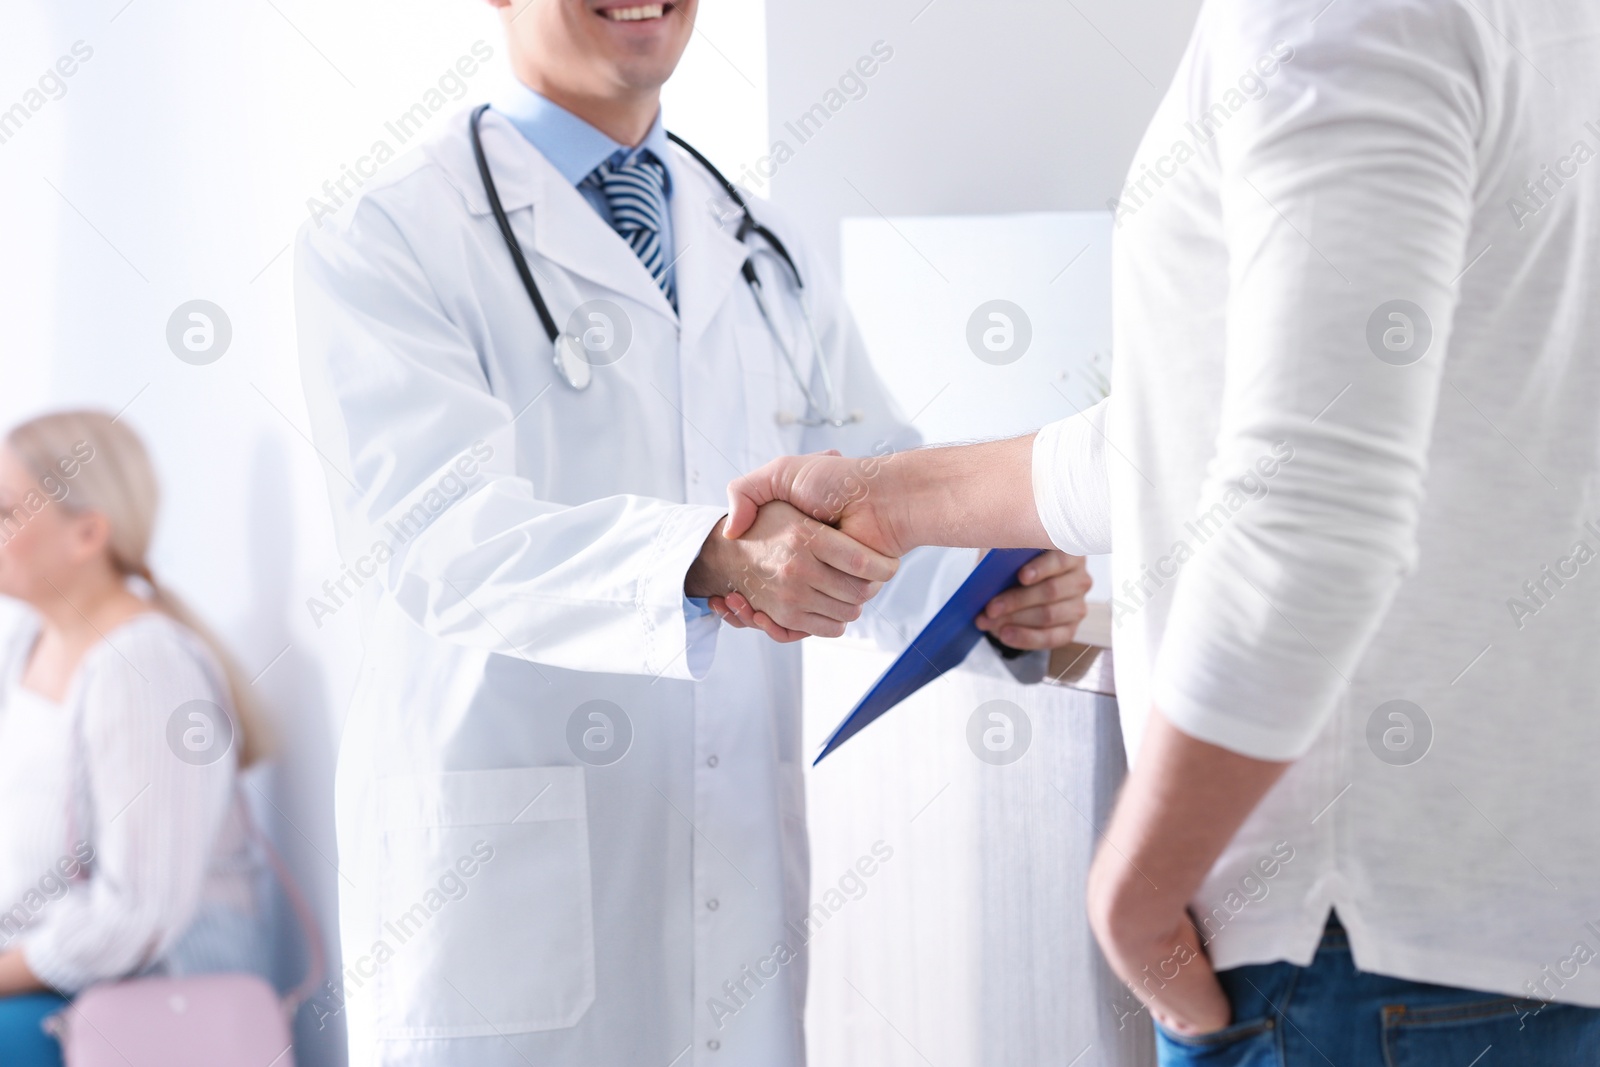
[595,586]
[705,578]
[1183,802]
[964,496]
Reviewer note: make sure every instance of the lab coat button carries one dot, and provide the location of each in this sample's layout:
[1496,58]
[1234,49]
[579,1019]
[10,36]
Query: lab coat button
[712,903]
[711,761]
[713,1044]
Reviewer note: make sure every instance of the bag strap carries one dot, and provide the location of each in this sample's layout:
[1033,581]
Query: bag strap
[310,930]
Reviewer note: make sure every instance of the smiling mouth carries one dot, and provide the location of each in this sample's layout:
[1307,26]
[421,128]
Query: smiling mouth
[638,13]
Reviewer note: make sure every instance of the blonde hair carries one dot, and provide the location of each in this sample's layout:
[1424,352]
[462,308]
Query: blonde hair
[114,478]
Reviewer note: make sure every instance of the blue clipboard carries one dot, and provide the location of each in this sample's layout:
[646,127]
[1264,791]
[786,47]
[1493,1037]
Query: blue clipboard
[947,640]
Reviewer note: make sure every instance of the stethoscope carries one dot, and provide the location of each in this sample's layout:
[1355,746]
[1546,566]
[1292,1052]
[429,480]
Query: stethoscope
[571,358]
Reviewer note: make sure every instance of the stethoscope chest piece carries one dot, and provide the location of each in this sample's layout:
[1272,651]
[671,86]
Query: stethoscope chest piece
[572,362]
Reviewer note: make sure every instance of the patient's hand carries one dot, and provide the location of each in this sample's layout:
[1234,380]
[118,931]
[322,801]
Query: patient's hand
[802,576]
[1044,611]
[859,496]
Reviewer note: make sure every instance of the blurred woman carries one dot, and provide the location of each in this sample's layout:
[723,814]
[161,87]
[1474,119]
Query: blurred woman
[124,842]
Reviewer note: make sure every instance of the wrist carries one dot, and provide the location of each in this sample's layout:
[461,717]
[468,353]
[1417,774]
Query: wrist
[908,497]
[711,572]
[960,496]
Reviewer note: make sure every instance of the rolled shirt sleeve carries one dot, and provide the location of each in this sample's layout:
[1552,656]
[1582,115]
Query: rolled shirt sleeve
[1348,194]
[1069,482]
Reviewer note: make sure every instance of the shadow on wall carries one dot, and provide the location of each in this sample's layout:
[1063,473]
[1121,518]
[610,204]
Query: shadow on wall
[292,795]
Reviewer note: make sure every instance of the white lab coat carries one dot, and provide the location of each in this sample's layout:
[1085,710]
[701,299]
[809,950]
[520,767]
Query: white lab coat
[521,548]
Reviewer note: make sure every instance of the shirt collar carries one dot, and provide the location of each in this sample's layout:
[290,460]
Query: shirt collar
[573,146]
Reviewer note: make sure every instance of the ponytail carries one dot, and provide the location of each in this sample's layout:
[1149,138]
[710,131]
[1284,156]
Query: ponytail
[253,743]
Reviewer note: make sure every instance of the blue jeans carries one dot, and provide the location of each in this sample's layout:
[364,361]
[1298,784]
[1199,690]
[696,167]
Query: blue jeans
[22,1042]
[1331,1013]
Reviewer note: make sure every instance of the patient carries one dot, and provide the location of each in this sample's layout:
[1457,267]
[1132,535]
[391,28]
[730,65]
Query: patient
[124,844]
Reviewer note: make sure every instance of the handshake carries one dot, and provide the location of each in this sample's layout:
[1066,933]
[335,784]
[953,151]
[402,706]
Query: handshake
[809,540]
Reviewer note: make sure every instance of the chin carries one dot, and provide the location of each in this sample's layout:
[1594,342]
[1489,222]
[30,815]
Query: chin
[644,73]
[646,46]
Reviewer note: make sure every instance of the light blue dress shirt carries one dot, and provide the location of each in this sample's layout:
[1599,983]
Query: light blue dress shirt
[575,149]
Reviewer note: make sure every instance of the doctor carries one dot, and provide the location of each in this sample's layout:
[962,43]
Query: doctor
[570,800]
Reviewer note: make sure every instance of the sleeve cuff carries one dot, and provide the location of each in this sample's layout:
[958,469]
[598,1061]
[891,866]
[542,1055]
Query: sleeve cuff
[1257,740]
[1069,483]
[675,646]
[701,625]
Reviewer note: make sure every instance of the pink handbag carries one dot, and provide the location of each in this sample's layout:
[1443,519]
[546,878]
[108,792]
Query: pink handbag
[208,1020]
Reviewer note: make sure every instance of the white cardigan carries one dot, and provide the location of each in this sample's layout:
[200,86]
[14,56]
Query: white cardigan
[116,856]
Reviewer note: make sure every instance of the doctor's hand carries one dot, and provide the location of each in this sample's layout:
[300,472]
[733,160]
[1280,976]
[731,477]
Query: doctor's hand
[803,576]
[1044,611]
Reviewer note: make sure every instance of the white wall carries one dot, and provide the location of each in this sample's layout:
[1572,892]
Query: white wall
[984,107]
[717,99]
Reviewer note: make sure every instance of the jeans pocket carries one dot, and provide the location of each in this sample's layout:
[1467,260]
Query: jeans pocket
[1257,992]
[1518,1031]
[1242,1044]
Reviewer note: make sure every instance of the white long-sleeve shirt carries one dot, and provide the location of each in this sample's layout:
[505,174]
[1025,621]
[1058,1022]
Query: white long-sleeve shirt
[1349,459]
[116,855]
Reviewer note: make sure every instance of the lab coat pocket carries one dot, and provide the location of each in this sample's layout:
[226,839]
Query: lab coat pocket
[485,899]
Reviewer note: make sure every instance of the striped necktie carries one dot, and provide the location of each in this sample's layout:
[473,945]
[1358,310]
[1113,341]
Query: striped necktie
[637,194]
